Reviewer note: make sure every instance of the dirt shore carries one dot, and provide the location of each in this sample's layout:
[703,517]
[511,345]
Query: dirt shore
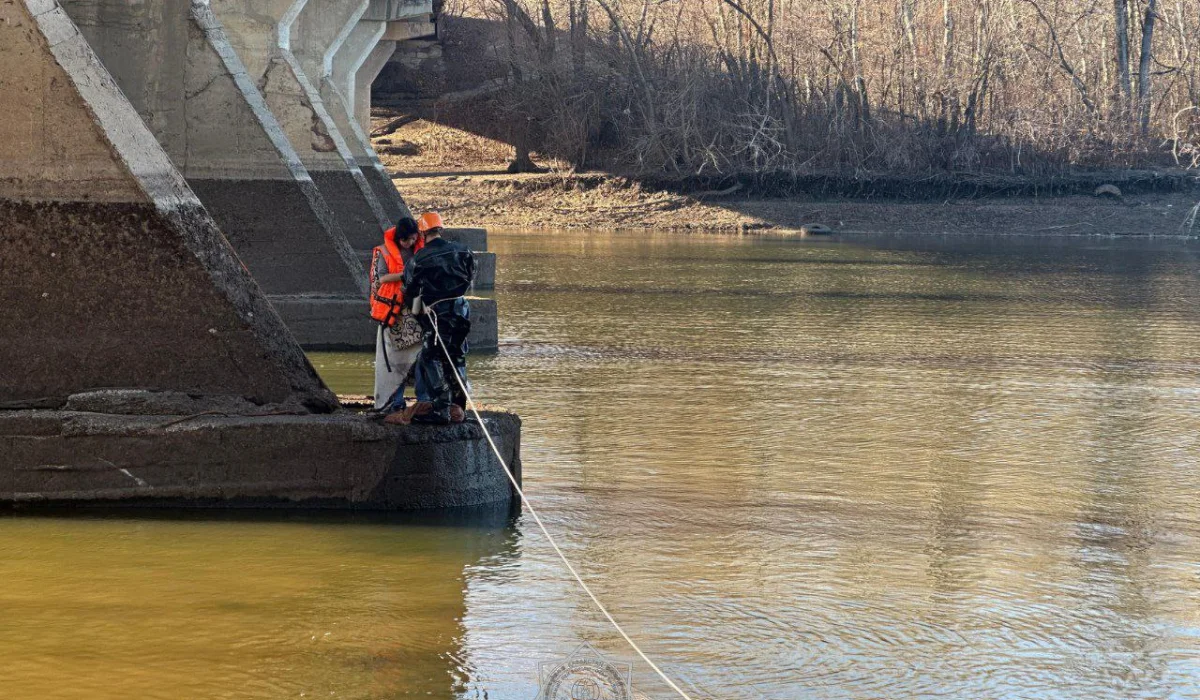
[506,201]
[463,176]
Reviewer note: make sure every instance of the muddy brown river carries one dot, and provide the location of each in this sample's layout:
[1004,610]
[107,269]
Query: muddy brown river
[907,467]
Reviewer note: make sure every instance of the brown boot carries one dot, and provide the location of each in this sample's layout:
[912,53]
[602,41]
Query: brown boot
[405,417]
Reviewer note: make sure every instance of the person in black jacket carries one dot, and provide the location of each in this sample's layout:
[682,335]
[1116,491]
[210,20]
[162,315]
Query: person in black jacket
[440,274]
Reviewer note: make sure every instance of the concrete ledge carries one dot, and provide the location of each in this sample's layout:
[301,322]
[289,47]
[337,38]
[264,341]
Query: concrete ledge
[326,322]
[341,461]
[485,271]
[473,238]
[485,330]
[336,322]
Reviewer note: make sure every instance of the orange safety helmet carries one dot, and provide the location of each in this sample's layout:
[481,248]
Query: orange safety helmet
[429,221]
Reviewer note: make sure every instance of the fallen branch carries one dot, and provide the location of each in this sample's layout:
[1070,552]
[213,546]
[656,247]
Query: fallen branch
[392,126]
[718,193]
[489,87]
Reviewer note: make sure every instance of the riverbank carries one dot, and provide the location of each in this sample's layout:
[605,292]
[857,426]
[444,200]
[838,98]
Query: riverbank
[554,202]
[463,176]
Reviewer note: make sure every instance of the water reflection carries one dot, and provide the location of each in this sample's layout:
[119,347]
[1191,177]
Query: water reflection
[882,468]
[159,605]
[900,467]
[874,468]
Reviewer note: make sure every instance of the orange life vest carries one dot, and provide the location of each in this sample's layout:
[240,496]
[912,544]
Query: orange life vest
[388,300]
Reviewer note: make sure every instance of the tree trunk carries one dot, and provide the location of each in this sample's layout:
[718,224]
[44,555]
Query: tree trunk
[862,102]
[947,39]
[522,162]
[551,34]
[579,30]
[1144,63]
[1124,88]
[907,11]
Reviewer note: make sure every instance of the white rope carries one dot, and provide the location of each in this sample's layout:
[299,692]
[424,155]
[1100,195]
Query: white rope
[532,511]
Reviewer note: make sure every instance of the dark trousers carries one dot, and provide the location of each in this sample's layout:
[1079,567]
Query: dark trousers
[435,382]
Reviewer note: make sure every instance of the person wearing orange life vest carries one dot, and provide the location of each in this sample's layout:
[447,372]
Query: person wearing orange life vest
[439,277]
[398,340]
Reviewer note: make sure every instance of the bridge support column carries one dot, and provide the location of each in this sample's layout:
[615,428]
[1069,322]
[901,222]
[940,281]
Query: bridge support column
[174,62]
[367,72]
[360,45]
[263,33]
[116,276]
[323,30]
[114,273]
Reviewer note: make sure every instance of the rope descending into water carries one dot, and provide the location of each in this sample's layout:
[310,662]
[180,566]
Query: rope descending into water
[537,518]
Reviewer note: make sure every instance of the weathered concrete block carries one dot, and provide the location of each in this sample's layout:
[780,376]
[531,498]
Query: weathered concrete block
[417,68]
[485,271]
[344,461]
[485,331]
[30,423]
[324,322]
[141,402]
[473,238]
[6,475]
[342,323]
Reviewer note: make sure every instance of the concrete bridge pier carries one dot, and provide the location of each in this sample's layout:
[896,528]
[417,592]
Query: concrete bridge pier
[351,69]
[264,35]
[343,57]
[370,69]
[142,363]
[174,62]
[114,273]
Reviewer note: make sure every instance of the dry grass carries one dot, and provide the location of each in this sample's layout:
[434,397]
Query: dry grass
[561,202]
[437,148]
[599,202]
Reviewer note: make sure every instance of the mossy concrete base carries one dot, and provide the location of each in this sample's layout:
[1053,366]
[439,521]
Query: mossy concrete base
[344,460]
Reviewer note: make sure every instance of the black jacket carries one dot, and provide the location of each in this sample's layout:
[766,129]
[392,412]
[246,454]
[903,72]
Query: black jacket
[441,270]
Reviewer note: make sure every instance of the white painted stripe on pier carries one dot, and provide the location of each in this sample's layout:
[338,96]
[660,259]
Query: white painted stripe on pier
[340,39]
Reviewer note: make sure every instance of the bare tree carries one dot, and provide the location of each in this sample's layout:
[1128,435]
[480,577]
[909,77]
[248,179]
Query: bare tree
[688,87]
[1144,65]
[1124,86]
